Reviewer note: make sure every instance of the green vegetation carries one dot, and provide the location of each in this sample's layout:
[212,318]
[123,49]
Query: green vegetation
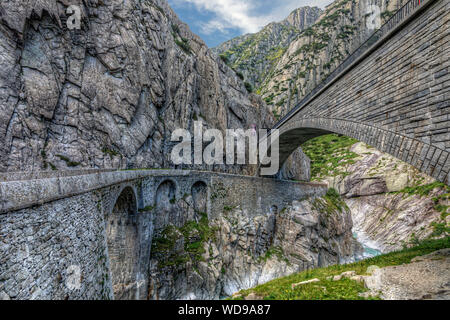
[440,203]
[386,15]
[225,58]
[110,152]
[249,87]
[228,208]
[69,162]
[331,203]
[276,114]
[147,209]
[184,45]
[330,155]
[194,234]
[180,41]
[424,190]
[346,289]
[240,75]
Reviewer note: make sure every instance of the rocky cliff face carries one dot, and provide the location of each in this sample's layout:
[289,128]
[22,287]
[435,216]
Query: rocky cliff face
[254,55]
[298,63]
[392,203]
[108,95]
[193,258]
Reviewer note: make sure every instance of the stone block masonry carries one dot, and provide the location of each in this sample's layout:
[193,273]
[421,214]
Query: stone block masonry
[89,236]
[395,99]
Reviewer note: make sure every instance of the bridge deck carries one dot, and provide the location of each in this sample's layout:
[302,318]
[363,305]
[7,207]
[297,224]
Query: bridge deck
[46,187]
[405,14]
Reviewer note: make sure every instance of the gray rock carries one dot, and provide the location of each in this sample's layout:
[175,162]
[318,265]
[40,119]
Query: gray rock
[295,285]
[4,296]
[254,249]
[73,102]
[424,278]
[371,269]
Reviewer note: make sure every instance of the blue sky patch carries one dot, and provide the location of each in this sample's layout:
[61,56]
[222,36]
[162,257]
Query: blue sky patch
[216,21]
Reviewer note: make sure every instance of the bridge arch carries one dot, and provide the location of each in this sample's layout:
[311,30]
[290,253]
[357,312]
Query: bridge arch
[166,193]
[391,92]
[123,244]
[166,203]
[199,193]
[426,157]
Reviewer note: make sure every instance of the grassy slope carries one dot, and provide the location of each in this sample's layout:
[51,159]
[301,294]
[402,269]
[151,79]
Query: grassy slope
[331,157]
[280,289]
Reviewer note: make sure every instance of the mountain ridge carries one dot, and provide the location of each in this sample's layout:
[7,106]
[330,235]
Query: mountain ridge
[299,63]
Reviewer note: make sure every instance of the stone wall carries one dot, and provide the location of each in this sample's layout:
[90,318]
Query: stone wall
[90,236]
[42,249]
[396,99]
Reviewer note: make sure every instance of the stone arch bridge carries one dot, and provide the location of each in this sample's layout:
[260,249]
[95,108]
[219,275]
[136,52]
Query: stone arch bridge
[392,93]
[88,234]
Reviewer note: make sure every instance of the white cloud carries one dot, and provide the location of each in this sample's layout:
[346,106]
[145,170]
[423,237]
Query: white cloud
[247,15]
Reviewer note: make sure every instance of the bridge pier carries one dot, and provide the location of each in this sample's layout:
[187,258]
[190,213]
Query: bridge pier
[90,236]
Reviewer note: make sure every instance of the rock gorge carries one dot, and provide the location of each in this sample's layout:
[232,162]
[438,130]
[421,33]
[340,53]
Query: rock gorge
[109,96]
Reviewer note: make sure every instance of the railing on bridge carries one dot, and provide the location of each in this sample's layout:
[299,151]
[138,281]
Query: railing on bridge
[393,22]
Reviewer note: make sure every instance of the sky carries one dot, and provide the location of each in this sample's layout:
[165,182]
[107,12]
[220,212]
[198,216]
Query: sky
[217,21]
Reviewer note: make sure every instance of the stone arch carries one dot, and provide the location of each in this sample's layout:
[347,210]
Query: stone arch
[427,158]
[166,193]
[165,204]
[199,193]
[123,245]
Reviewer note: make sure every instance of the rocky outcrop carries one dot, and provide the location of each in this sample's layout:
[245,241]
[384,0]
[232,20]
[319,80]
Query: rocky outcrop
[109,95]
[297,167]
[392,203]
[425,278]
[193,258]
[255,55]
[297,64]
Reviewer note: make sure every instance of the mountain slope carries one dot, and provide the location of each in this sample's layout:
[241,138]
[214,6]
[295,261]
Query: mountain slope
[254,55]
[109,95]
[295,65]
[391,202]
[347,282]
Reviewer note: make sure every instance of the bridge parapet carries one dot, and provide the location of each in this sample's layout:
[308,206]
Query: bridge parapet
[98,227]
[243,190]
[394,96]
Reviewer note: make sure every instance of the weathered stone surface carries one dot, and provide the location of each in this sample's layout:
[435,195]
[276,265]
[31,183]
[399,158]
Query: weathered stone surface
[355,104]
[90,236]
[109,95]
[425,278]
[297,167]
[371,269]
[295,285]
[249,249]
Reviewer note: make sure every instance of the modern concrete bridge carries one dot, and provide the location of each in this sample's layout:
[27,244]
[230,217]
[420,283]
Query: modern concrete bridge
[392,93]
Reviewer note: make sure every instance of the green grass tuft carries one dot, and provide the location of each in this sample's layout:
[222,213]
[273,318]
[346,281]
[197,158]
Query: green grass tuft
[330,155]
[346,289]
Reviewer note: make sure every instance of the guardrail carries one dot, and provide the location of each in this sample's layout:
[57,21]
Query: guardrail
[401,16]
